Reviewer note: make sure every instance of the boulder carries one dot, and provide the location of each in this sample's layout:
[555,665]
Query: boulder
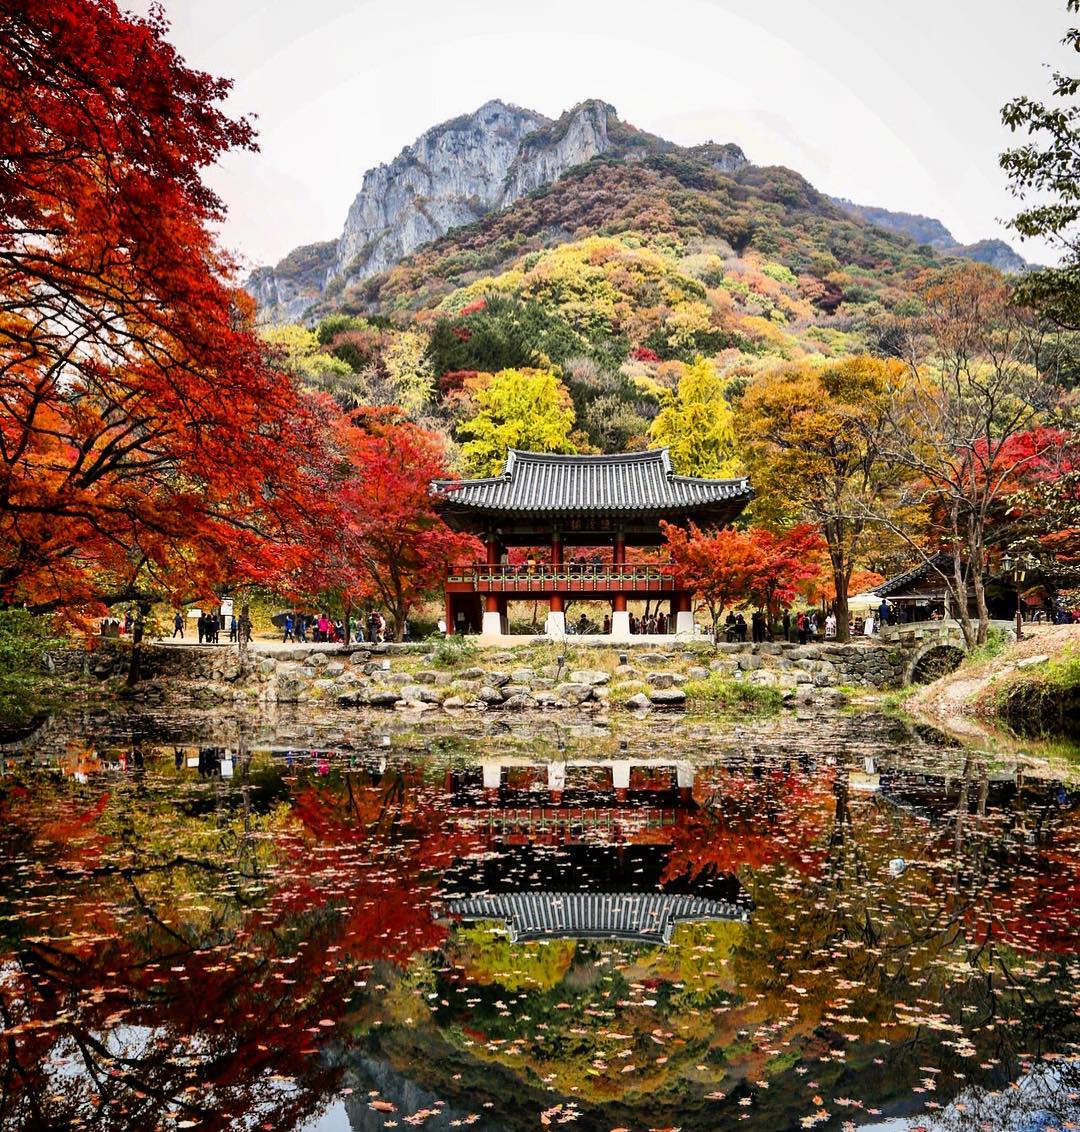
[427,676]
[1033,661]
[508,691]
[522,676]
[453,703]
[473,673]
[383,697]
[574,693]
[592,677]
[625,670]
[519,702]
[749,662]
[638,702]
[412,691]
[696,672]
[763,678]
[497,679]
[668,697]
[334,669]
[318,660]
[489,695]
[661,679]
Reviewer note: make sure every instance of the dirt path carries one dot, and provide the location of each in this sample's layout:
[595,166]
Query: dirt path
[957,702]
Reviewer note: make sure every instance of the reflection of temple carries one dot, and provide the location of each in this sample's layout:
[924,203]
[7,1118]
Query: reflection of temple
[589,892]
[582,849]
[613,799]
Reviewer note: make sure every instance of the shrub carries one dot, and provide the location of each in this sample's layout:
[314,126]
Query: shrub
[24,641]
[450,652]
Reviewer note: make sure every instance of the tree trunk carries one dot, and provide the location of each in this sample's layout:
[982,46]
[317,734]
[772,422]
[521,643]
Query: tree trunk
[348,623]
[138,629]
[960,597]
[843,616]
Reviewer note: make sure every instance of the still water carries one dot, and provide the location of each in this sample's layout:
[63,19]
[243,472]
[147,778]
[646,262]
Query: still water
[271,925]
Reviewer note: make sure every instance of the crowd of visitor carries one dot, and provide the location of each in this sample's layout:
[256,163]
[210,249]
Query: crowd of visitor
[321,629]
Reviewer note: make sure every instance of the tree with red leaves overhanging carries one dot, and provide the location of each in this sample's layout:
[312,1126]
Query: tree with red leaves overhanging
[377,535]
[143,441]
[720,566]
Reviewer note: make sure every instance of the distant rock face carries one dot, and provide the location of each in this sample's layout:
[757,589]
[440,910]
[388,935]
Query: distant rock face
[448,177]
[997,253]
[927,230]
[545,156]
[284,292]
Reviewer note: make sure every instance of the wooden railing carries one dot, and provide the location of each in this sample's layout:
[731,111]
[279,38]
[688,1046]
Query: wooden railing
[571,577]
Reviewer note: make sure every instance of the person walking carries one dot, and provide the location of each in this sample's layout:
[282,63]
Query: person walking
[178,625]
[288,636]
[787,624]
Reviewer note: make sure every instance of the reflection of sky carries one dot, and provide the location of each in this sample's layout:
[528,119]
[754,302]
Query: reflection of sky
[1038,1103]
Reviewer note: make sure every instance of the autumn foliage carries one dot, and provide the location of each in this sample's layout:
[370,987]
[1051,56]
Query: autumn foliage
[142,440]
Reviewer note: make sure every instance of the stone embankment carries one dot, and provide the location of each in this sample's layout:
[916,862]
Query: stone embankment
[535,677]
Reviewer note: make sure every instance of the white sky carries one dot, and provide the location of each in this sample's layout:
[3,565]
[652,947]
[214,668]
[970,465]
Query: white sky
[887,102]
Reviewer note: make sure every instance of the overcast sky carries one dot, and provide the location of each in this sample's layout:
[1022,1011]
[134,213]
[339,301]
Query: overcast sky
[887,102]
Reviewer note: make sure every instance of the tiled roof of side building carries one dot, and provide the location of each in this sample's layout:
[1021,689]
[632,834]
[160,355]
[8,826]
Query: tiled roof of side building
[625,482]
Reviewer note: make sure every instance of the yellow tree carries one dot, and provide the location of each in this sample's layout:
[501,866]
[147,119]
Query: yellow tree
[516,408]
[697,424]
[813,443]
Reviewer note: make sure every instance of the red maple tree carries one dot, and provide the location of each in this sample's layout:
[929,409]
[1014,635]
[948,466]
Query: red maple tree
[143,442]
[376,534]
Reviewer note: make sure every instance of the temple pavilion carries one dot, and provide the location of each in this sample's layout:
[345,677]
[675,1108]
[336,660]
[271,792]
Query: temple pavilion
[576,515]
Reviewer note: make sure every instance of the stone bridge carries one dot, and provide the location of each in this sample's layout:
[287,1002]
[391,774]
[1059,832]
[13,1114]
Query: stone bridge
[932,648]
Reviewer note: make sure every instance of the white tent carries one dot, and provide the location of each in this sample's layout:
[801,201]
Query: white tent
[865,602]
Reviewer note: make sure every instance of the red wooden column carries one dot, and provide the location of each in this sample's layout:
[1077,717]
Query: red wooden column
[449,614]
[620,618]
[556,549]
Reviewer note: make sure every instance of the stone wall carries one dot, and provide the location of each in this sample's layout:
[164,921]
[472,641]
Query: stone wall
[527,677]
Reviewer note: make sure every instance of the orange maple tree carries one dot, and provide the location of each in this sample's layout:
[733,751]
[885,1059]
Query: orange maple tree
[143,441]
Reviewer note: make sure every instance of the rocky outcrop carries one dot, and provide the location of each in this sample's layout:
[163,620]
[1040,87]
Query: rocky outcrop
[284,292]
[450,176]
[547,154]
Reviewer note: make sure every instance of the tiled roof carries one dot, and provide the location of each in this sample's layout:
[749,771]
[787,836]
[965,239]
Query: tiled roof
[623,483]
[924,569]
[647,916]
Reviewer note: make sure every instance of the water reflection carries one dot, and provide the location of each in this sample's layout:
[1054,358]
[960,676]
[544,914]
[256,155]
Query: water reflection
[320,928]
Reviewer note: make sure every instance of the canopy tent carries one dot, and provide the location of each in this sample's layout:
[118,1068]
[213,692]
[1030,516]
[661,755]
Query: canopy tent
[864,602]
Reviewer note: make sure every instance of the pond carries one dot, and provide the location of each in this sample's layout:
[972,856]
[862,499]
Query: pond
[840,922]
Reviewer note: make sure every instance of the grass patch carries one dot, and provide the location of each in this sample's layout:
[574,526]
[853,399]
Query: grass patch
[993,646]
[722,694]
[1043,701]
[456,651]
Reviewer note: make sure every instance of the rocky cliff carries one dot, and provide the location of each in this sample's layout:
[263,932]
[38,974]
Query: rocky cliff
[451,176]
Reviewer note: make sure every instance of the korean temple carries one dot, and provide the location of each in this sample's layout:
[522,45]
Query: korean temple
[577,515]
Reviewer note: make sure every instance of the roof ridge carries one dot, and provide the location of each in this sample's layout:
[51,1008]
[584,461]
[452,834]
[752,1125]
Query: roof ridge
[647,455]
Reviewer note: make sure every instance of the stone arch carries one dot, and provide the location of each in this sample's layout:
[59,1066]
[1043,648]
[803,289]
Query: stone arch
[931,660]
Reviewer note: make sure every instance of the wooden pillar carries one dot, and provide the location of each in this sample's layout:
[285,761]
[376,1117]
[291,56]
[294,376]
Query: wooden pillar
[556,549]
[491,604]
[682,602]
[618,555]
[493,554]
[618,603]
[450,627]
[555,603]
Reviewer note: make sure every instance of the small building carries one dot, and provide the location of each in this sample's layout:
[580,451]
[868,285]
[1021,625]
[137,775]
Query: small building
[920,594]
[594,505]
